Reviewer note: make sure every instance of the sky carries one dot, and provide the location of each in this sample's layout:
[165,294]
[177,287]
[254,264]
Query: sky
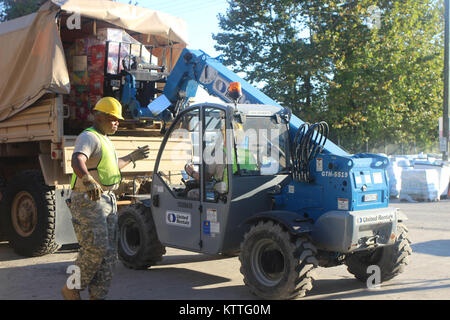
[200,16]
[202,22]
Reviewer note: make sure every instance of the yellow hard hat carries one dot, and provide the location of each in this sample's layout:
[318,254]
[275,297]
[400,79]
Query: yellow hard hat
[110,106]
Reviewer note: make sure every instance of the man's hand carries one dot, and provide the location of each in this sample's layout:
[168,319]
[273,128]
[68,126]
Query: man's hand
[93,189]
[139,154]
[189,169]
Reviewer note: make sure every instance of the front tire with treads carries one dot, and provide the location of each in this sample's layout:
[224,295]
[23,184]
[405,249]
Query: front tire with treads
[274,264]
[139,246]
[391,259]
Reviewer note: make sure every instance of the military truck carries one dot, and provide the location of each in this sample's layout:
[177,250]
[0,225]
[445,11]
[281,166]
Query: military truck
[56,63]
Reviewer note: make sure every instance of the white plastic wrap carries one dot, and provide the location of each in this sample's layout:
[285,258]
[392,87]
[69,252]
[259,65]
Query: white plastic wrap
[419,185]
[443,173]
[395,179]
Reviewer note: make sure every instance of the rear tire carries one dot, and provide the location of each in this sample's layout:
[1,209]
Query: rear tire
[275,266]
[139,246]
[30,214]
[390,259]
[3,222]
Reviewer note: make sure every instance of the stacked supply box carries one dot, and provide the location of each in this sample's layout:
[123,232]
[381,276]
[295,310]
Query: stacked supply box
[420,185]
[394,172]
[86,65]
[443,174]
[96,63]
[80,73]
[418,178]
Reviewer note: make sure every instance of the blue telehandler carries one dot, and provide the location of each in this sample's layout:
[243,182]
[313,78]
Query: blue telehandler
[248,177]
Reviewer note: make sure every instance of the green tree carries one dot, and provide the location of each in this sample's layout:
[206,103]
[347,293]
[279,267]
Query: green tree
[11,9]
[269,41]
[373,83]
[387,84]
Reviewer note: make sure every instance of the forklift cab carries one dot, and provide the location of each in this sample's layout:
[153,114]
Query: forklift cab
[239,153]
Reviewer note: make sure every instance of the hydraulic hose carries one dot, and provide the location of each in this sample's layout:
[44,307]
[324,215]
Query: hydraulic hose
[308,143]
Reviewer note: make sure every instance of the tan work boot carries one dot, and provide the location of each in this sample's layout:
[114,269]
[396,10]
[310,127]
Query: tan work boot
[69,294]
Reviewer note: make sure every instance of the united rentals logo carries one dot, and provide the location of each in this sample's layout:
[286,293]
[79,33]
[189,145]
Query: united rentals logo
[180,219]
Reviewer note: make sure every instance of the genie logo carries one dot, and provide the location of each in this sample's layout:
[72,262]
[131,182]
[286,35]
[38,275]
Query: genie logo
[180,219]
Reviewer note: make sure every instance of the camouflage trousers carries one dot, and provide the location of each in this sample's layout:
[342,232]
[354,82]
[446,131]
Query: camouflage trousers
[95,225]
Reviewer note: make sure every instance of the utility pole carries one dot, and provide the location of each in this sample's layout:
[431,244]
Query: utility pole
[445,119]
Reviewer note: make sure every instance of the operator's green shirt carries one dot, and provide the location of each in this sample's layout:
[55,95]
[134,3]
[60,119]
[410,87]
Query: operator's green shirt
[245,160]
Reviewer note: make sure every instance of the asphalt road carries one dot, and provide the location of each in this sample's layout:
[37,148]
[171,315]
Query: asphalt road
[184,275]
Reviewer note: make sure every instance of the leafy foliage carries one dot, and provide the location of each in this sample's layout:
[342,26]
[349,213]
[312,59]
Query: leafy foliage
[375,82]
[11,9]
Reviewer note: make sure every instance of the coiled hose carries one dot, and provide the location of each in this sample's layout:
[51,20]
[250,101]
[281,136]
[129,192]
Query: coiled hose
[308,142]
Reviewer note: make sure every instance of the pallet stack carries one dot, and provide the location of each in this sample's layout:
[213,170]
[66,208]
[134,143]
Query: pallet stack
[86,65]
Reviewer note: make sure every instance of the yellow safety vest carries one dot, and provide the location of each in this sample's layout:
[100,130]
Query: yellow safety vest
[244,157]
[108,167]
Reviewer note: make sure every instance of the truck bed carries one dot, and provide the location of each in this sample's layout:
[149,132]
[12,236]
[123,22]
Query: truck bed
[43,121]
[41,127]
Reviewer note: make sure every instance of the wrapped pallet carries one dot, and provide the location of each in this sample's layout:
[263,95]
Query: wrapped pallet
[419,185]
[443,172]
[394,172]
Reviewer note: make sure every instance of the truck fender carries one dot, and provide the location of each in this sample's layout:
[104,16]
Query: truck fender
[295,223]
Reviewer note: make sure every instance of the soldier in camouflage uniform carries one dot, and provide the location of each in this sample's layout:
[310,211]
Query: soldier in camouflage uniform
[93,202]
[95,227]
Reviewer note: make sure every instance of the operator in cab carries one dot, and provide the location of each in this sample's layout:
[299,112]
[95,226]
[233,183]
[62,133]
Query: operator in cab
[217,170]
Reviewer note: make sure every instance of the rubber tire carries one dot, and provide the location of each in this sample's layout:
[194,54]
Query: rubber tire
[3,222]
[299,262]
[149,250]
[42,239]
[390,259]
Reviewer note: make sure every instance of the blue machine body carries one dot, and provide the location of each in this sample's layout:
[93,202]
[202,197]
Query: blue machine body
[339,181]
[129,100]
[343,183]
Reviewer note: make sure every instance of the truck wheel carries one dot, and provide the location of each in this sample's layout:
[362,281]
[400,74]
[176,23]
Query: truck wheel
[390,259]
[3,223]
[30,214]
[273,265]
[139,247]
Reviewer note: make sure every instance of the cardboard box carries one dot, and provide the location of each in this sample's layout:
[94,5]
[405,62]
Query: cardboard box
[96,58]
[96,84]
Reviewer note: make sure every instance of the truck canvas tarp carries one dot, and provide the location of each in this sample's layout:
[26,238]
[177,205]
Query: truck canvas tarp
[32,51]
